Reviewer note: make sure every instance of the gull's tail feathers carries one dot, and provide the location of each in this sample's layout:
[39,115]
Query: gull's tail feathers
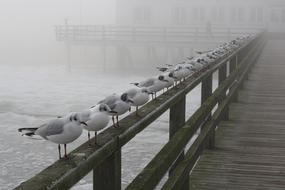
[28,131]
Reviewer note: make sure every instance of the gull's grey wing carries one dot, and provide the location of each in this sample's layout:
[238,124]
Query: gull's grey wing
[147,83]
[54,127]
[110,101]
[112,106]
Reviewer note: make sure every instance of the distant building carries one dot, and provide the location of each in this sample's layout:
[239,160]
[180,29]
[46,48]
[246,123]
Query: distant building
[219,13]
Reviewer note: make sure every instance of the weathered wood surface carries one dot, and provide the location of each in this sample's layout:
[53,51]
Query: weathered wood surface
[250,147]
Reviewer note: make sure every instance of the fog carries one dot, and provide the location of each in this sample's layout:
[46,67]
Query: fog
[44,74]
[28,35]
[27,27]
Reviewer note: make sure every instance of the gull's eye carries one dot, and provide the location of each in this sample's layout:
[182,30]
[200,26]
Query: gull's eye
[124,97]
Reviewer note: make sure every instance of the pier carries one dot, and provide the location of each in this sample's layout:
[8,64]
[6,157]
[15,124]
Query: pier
[156,45]
[238,132]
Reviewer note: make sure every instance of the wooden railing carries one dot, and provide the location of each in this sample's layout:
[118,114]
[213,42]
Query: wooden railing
[89,33]
[105,161]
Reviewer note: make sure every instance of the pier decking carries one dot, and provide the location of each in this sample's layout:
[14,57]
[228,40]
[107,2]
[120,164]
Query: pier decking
[250,146]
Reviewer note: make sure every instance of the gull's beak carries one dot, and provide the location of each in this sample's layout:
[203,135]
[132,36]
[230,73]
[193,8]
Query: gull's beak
[83,123]
[113,112]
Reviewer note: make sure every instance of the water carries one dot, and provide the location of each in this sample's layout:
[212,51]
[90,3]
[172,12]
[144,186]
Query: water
[30,95]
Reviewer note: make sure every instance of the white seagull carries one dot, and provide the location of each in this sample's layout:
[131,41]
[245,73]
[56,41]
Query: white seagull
[60,131]
[96,118]
[140,96]
[171,79]
[153,85]
[179,72]
[118,105]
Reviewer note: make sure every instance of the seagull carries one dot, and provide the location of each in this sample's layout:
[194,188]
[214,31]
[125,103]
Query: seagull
[179,72]
[96,118]
[118,105]
[193,64]
[171,79]
[202,61]
[196,65]
[60,131]
[154,84]
[140,96]
[188,70]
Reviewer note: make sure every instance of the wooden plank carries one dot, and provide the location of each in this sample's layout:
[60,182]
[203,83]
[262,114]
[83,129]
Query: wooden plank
[206,92]
[256,107]
[108,175]
[221,77]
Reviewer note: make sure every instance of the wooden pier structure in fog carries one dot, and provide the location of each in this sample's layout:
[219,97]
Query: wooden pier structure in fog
[239,129]
[157,45]
[99,35]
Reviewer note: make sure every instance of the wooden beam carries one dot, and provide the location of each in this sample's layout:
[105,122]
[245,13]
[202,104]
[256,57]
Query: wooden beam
[107,176]
[176,122]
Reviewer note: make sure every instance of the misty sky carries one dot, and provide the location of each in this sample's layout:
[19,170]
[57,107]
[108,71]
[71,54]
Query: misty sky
[27,26]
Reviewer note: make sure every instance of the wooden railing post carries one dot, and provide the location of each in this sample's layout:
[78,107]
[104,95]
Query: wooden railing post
[206,92]
[107,176]
[242,54]
[207,87]
[233,66]
[222,77]
[177,121]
